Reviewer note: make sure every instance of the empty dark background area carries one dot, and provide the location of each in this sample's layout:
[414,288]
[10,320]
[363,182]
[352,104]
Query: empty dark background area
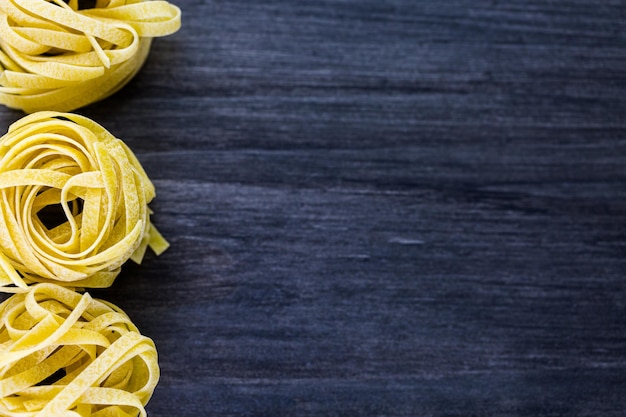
[383,208]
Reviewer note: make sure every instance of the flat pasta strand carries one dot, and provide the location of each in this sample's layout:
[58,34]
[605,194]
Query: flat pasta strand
[67,354]
[94,193]
[56,56]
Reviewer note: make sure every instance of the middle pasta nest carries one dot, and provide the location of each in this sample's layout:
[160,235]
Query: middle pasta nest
[67,163]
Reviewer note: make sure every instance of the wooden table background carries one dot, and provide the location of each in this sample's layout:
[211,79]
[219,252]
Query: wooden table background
[383,208]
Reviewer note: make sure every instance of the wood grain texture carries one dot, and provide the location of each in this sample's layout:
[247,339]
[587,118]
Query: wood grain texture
[383,208]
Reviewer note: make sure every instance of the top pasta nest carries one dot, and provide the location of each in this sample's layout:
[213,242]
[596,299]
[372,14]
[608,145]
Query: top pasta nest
[61,56]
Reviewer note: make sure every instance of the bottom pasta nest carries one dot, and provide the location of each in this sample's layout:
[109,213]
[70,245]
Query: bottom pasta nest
[67,354]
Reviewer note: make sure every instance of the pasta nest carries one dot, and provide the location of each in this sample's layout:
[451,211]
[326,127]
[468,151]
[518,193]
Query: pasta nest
[59,56]
[67,354]
[73,204]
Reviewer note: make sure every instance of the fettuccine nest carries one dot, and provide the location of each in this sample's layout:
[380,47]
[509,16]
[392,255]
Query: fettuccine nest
[69,169]
[58,56]
[67,354]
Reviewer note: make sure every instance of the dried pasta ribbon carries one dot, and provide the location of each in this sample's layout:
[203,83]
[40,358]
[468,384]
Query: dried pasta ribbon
[58,56]
[68,165]
[67,354]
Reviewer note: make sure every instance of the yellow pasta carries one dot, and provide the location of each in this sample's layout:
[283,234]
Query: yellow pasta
[67,354]
[58,56]
[69,165]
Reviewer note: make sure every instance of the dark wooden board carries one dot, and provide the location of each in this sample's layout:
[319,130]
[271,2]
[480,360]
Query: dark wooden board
[383,208]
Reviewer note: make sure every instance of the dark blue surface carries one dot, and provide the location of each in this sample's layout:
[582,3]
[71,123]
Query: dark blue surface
[383,208]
